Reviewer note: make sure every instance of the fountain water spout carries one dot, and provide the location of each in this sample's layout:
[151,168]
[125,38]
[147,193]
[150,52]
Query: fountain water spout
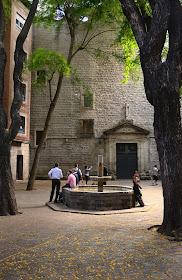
[100,178]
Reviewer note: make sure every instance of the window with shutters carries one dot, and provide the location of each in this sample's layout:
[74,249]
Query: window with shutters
[20,21]
[87,127]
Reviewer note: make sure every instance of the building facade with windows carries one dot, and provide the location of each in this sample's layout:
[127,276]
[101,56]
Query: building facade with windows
[20,145]
[115,121]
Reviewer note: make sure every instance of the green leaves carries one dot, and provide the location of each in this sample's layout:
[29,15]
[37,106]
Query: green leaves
[47,63]
[128,53]
[131,59]
[7,8]
[53,13]
[98,15]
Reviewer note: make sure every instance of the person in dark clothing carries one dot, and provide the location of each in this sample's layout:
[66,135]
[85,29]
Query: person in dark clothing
[87,169]
[55,174]
[137,188]
[77,171]
[105,173]
[155,176]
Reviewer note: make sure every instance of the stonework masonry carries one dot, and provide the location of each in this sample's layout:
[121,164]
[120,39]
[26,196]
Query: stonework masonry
[120,114]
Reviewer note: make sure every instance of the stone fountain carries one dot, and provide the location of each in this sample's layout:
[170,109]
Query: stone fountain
[99,197]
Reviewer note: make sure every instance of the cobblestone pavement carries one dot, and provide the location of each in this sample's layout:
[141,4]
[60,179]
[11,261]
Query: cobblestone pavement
[41,243]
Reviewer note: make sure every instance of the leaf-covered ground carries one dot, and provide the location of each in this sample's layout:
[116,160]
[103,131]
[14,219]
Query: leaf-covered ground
[44,244]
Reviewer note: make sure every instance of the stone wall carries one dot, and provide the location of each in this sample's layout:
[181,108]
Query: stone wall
[65,142]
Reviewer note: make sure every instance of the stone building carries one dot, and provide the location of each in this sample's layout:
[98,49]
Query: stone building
[118,124]
[20,145]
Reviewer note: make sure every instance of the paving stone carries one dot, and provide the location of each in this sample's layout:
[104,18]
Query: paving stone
[44,244]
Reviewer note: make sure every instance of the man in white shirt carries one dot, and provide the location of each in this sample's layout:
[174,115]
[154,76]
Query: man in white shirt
[55,174]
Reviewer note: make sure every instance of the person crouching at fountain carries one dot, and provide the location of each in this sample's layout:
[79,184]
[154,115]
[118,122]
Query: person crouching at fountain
[137,189]
[71,183]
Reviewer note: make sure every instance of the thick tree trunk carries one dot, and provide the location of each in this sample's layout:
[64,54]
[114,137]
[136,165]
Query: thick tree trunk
[168,135]
[8,204]
[162,83]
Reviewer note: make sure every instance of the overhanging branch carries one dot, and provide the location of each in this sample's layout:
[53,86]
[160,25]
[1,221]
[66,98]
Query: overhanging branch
[133,15]
[150,42]
[85,43]
[155,38]
[175,34]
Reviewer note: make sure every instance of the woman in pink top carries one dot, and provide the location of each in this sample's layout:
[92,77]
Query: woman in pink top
[71,183]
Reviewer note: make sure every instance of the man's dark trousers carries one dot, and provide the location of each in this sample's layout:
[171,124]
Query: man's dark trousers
[55,183]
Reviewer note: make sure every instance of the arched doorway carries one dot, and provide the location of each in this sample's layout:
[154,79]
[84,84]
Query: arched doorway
[127,149]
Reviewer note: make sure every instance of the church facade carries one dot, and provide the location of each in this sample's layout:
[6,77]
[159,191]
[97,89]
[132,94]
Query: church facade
[117,123]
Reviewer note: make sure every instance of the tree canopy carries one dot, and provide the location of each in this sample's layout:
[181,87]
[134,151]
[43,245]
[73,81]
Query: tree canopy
[84,21]
[52,63]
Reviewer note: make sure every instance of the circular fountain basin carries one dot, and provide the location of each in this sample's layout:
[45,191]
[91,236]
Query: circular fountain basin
[88,198]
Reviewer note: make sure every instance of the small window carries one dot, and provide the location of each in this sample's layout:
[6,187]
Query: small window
[22,126]
[20,21]
[88,100]
[24,92]
[87,126]
[38,137]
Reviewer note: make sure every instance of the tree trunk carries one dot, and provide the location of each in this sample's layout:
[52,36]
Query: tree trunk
[162,82]
[33,172]
[168,135]
[8,204]
[30,185]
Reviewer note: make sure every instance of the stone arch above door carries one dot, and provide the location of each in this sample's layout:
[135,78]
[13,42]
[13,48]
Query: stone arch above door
[127,133]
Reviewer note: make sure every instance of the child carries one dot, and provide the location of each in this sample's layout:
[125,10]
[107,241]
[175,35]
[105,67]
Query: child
[87,169]
[155,176]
